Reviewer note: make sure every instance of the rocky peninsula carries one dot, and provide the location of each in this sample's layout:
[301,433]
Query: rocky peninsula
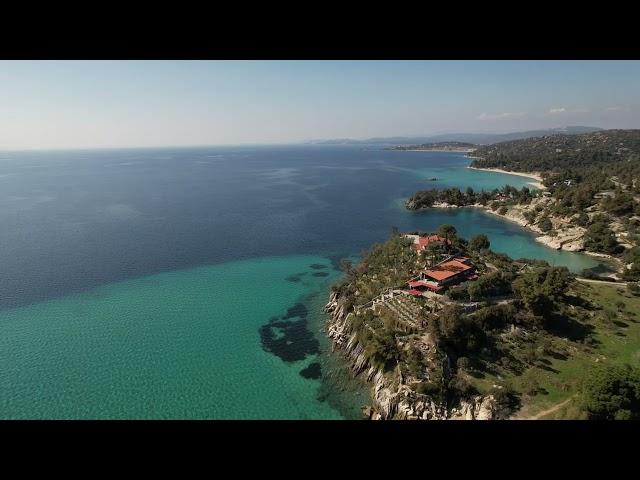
[482,346]
[420,351]
[391,396]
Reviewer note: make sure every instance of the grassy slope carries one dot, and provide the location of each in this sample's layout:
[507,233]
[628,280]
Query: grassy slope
[618,341]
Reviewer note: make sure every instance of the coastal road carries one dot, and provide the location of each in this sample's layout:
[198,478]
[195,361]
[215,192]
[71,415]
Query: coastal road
[606,282]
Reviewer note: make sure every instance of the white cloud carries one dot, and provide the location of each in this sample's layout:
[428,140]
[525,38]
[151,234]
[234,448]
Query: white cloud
[557,110]
[499,116]
[617,109]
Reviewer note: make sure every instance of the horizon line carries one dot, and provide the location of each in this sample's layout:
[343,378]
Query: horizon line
[297,142]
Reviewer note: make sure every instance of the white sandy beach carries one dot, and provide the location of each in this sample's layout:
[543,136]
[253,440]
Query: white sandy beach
[535,176]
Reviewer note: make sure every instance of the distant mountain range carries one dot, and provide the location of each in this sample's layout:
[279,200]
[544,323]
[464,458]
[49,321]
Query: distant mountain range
[475,138]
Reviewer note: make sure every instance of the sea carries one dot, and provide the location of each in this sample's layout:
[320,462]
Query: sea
[188,283]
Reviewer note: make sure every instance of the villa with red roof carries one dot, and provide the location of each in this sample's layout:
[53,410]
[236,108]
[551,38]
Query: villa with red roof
[420,243]
[444,275]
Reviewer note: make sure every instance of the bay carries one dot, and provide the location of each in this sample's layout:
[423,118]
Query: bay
[188,282]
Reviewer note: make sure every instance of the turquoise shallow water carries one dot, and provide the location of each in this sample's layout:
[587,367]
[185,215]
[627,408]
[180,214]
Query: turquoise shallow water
[455,174]
[506,237]
[188,283]
[183,344]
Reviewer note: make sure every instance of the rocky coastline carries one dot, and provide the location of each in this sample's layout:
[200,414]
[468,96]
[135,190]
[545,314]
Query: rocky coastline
[568,237]
[391,397]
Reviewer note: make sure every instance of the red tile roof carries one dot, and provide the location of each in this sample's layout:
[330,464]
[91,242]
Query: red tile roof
[447,270]
[423,283]
[422,242]
[464,260]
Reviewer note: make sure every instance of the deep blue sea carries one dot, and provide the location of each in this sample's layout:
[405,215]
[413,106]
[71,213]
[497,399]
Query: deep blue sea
[188,282]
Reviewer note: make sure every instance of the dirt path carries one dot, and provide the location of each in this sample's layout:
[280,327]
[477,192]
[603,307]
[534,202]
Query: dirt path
[606,282]
[549,411]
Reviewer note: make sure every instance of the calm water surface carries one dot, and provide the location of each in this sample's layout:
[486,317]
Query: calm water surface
[187,283]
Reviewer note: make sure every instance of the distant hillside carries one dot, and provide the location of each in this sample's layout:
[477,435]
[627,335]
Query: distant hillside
[439,146]
[560,152]
[475,138]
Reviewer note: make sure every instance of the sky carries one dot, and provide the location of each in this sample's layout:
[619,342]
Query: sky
[114,104]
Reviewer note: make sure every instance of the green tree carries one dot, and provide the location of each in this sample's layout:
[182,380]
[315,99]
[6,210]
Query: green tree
[459,332]
[600,238]
[471,195]
[492,284]
[415,362]
[621,204]
[479,242]
[543,288]
[447,231]
[611,393]
[382,348]
[632,258]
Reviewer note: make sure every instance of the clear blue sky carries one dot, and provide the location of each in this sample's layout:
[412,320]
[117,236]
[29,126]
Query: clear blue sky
[84,104]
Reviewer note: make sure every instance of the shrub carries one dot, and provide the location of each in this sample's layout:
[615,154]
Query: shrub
[530,216]
[490,285]
[600,238]
[495,316]
[434,388]
[460,387]
[506,400]
[459,293]
[382,349]
[611,393]
[530,386]
[545,224]
[582,219]
[459,332]
[632,257]
[543,288]
[463,363]
[415,362]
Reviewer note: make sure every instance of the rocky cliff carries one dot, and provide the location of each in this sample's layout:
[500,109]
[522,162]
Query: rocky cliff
[565,235]
[391,397]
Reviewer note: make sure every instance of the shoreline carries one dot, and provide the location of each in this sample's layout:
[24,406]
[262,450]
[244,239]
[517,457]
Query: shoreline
[432,150]
[539,236]
[537,177]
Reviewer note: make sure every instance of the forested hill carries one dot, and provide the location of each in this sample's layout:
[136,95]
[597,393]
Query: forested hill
[452,146]
[561,152]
